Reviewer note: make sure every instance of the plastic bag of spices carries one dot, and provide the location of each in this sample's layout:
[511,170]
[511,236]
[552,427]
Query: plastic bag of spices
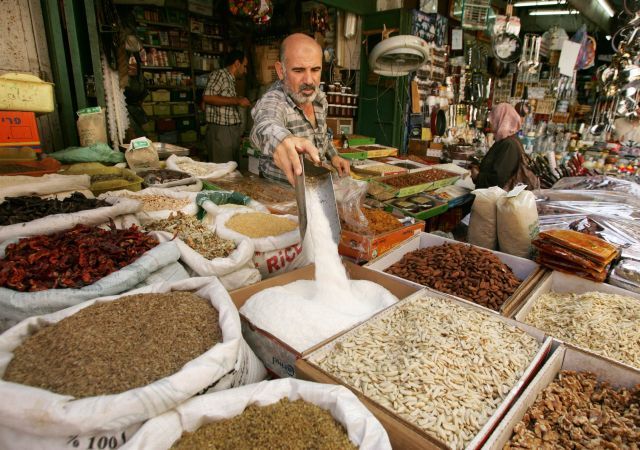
[362,428]
[39,419]
[482,226]
[276,239]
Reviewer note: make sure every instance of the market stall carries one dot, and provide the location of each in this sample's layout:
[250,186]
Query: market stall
[424,298]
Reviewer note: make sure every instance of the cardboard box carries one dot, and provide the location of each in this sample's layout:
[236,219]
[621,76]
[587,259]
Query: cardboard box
[277,356]
[402,434]
[361,247]
[340,126]
[565,357]
[561,282]
[526,270]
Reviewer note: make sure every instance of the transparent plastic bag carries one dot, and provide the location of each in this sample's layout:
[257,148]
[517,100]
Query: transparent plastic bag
[621,232]
[599,183]
[350,195]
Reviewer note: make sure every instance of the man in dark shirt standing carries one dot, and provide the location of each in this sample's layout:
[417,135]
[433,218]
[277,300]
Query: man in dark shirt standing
[224,124]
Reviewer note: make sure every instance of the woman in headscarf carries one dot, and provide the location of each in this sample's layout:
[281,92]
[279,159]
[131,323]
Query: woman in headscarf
[502,160]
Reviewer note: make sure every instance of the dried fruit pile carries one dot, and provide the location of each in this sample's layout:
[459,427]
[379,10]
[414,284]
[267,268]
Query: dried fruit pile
[440,366]
[296,425]
[413,179]
[469,272]
[576,411]
[72,258]
[378,222]
[195,234]
[25,209]
[258,225]
[111,347]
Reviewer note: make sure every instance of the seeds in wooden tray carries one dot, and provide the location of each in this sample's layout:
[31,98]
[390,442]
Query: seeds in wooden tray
[258,225]
[576,411]
[607,324]
[443,367]
[416,178]
[111,347]
[159,202]
[469,272]
[195,234]
[294,425]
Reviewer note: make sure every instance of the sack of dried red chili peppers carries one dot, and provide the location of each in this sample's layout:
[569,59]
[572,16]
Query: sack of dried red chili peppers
[45,273]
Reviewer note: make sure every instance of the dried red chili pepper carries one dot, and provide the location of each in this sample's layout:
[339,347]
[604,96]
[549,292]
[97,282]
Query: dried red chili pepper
[71,259]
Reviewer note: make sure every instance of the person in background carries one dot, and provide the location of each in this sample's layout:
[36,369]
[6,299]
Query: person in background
[224,124]
[291,116]
[502,160]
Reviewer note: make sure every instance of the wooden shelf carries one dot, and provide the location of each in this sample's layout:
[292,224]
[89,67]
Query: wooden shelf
[169,87]
[210,36]
[164,68]
[167,47]
[162,24]
[208,52]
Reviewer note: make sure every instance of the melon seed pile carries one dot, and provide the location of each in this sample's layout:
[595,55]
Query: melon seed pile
[111,347]
[258,225]
[286,424]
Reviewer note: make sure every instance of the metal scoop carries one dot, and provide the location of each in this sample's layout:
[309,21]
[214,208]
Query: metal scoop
[316,182]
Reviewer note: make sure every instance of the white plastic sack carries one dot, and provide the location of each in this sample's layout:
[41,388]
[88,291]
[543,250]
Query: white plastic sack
[240,278]
[168,274]
[517,223]
[482,225]
[274,254]
[213,210]
[36,419]
[14,186]
[213,170]
[362,427]
[16,306]
[210,267]
[149,216]
[60,222]
[62,195]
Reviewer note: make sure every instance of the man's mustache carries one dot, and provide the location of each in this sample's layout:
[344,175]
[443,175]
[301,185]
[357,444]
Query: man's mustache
[305,86]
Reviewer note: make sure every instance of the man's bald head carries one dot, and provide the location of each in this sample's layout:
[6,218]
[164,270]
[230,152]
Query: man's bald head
[294,42]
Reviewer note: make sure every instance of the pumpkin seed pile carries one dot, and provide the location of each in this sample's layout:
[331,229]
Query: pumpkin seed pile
[258,225]
[111,347]
[293,425]
[195,234]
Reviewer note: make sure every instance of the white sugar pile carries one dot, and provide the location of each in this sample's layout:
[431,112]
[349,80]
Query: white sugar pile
[305,313]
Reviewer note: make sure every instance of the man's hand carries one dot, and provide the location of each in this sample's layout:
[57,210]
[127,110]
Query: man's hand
[244,102]
[341,164]
[475,170]
[285,156]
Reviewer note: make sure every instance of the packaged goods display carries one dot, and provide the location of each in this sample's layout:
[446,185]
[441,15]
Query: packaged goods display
[443,367]
[25,209]
[607,324]
[292,424]
[259,225]
[70,259]
[576,410]
[146,336]
[469,272]
[195,234]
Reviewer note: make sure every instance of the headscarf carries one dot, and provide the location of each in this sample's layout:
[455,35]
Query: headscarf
[505,121]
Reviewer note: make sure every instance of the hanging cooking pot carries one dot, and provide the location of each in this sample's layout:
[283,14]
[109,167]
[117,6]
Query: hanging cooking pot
[506,47]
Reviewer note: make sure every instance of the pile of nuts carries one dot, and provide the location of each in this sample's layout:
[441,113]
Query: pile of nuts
[469,272]
[575,411]
[607,324]
[195,234]
[295,425]
[111,347]
[159,202]
[415,178]
[442,367]
[259,225]
[378,222]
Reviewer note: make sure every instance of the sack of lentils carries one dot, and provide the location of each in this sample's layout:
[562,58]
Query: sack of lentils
[276,239]
[158,204]
[90,375]
[205,253]
[285,413]
[29,216]
[46,273]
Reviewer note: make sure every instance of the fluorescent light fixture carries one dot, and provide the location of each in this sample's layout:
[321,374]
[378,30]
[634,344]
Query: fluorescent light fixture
[539,3]
[552,12]
[606,7]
